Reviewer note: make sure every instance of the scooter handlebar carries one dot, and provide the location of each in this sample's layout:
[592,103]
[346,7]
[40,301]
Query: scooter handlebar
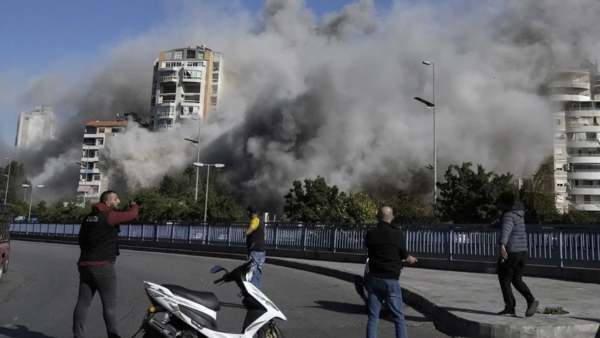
[219,280]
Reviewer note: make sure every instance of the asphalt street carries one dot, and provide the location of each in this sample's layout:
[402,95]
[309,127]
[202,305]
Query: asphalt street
[38,294]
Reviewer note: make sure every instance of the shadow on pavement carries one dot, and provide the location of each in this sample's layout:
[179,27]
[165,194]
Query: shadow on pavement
[358,309]
[21,332]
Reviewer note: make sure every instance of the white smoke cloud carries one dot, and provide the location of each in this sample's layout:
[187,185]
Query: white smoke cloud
[333,96]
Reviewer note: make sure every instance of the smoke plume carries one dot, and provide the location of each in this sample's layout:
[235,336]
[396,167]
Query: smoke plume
[333,96]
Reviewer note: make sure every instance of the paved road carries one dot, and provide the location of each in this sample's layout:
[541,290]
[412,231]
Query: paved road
[38,294]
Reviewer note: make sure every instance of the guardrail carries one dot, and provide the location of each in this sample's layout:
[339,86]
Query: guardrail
[548,245]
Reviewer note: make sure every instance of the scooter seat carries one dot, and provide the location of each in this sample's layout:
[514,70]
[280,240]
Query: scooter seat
[207,299]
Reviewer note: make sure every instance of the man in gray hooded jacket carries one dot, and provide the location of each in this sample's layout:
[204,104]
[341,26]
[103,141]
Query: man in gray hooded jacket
[513,252]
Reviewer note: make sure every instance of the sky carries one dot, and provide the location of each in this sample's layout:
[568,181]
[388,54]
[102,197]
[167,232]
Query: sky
[39,36]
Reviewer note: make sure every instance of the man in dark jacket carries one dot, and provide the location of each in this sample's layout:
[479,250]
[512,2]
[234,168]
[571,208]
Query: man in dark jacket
[387,250]
[513,254]
[99,250]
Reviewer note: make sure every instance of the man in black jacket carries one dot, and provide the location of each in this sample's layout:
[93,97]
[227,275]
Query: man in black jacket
[387,250]
[98,241]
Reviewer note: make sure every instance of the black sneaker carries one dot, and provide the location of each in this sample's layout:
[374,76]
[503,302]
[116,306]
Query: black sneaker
[507,313]
[531,308]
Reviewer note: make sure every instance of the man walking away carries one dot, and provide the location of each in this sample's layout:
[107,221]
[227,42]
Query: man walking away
[99,250]
[386,249]
[513,253]
[255,242]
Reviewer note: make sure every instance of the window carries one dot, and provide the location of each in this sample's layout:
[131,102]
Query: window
[101,130]
[557,121]
[215,88]
[216,66]
[213,100]
[178,55]
[100,141]
[200,55]
[190,54]
[195,64]
[96,177]
[173,64]
[558,151]
[116,130]
[216,78]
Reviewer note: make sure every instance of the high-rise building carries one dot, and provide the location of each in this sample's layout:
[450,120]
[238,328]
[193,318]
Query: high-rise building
[91,181]
[186,84]
[35,127]
[575,96]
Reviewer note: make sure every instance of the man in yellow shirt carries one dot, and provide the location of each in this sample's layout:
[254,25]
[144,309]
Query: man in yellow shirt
[255,242]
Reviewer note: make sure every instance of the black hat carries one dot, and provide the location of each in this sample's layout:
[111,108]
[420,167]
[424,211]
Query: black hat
[251,210]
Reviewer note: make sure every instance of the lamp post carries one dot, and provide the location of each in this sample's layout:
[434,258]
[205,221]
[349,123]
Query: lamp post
[197,143]
[7,180]
[198,165]
[433,167]
[31,200]
[25,192]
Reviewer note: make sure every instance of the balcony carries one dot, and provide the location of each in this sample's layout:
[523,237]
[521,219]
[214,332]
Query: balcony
[589,143]
[167,102]
[570,84]
[169,78]
[569,97]
[90,159]
[586,206]
[584,175]
[164,126]
[584,158]
[591,128]
[192,78]
[585,190]
[89,171]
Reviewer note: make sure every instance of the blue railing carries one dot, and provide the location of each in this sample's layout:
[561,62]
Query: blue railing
[548,245]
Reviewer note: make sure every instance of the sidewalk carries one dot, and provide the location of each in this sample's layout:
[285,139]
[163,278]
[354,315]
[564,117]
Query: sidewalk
[467,303]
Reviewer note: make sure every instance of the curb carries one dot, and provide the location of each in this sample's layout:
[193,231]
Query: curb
[449,322]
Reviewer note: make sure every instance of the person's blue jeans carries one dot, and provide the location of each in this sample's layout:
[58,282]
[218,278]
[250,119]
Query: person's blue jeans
[259,260]
[385,289]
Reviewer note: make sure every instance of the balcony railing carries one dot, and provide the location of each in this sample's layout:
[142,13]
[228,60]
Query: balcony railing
[191,101]
[583,155]
[169,78]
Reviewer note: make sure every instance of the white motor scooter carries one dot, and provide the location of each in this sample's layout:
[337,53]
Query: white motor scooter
[183,313]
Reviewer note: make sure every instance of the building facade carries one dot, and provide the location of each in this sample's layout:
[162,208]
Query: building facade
[34,127]
[91,181]
[186,85]
[576,113]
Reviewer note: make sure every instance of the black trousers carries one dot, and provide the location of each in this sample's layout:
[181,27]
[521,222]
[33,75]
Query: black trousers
[511,272]
[103,279]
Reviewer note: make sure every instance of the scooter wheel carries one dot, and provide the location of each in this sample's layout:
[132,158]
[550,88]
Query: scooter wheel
[269,331]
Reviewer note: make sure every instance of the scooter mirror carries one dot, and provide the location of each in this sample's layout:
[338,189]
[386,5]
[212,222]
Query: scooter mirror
[217,269]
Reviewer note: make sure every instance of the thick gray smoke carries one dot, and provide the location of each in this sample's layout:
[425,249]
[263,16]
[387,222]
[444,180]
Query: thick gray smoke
[333,96]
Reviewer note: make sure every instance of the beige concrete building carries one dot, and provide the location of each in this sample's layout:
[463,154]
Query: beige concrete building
[186,85]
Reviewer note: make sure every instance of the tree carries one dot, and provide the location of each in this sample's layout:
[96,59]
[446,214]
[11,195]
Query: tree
[471,197]
[538,200]
[408,207]
[316,201]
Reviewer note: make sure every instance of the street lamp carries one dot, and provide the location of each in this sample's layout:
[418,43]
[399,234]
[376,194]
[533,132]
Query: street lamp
[197,143]
[198,165]
[7,180]
[31,200]
[25,192]
[431,107]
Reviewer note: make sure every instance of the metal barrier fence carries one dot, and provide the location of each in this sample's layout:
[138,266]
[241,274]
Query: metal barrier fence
[548,245]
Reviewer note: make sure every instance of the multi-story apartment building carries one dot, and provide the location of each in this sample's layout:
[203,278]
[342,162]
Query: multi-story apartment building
[186,84]
[576,113]
[35,127]
[91,180]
